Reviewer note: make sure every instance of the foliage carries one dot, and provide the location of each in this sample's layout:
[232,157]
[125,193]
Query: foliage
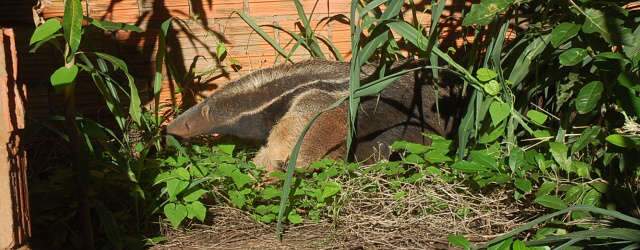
[193,175]
[546,86]
[551,114]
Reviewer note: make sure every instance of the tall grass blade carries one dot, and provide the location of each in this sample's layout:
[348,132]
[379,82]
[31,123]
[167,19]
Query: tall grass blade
[521,68]
[368,49]
[332,47]
[354,78]
[252,23]
[392,10]
[134,103]
[533,223]
[157,81]
[310,39]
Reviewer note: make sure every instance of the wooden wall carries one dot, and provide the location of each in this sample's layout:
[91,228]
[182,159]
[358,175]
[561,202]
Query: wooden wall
[192,44]
[15,225]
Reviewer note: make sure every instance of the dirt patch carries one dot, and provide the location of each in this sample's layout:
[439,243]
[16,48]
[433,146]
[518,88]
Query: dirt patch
[412,216]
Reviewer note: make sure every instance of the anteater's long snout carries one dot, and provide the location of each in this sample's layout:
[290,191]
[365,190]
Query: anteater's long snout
[193,122]
[179,128]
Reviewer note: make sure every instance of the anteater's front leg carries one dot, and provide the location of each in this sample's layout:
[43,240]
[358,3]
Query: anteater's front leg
[325,138]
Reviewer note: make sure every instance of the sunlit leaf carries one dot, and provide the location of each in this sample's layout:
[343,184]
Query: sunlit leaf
[176,213]
[45,30]
[72,23]
[64,76]
[537,116]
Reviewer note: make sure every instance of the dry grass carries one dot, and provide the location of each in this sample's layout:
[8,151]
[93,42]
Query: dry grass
[371,217]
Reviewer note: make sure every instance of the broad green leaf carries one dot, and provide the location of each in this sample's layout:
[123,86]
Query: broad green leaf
[182,174]
[330,189]
[486,75]
[563,33]
[582,169]
[499,111]
[414,159]
[537,117]
[468,167]
[436,156]
[414,148]
[113,26]
[175,187]
[592,198]
[195,195]
[545,188]
[72,24]
[270,192]
[492,87]
[573,56]
[595,21]
[294,218]
[484,12]
[621,141]
[589,96]
[163,177]
[237,198]
[459,241]
[484,159]
[45,30]
[176,213]
[227,149]
[196,209]
[516,159]
[551,202]
[493,134]
[240,179]
[541,133]
[586,137]
[64,76]
[523,185]
[559,153]
[573,193]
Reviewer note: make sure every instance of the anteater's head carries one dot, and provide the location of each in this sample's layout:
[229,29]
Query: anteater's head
[224,113]
[196,121]
[249,107]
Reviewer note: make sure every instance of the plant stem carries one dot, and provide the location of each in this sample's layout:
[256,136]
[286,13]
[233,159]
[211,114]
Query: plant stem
[81,172]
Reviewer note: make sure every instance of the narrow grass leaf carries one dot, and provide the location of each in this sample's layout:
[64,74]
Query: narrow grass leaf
[252,23]
[291,165]
[135,109]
